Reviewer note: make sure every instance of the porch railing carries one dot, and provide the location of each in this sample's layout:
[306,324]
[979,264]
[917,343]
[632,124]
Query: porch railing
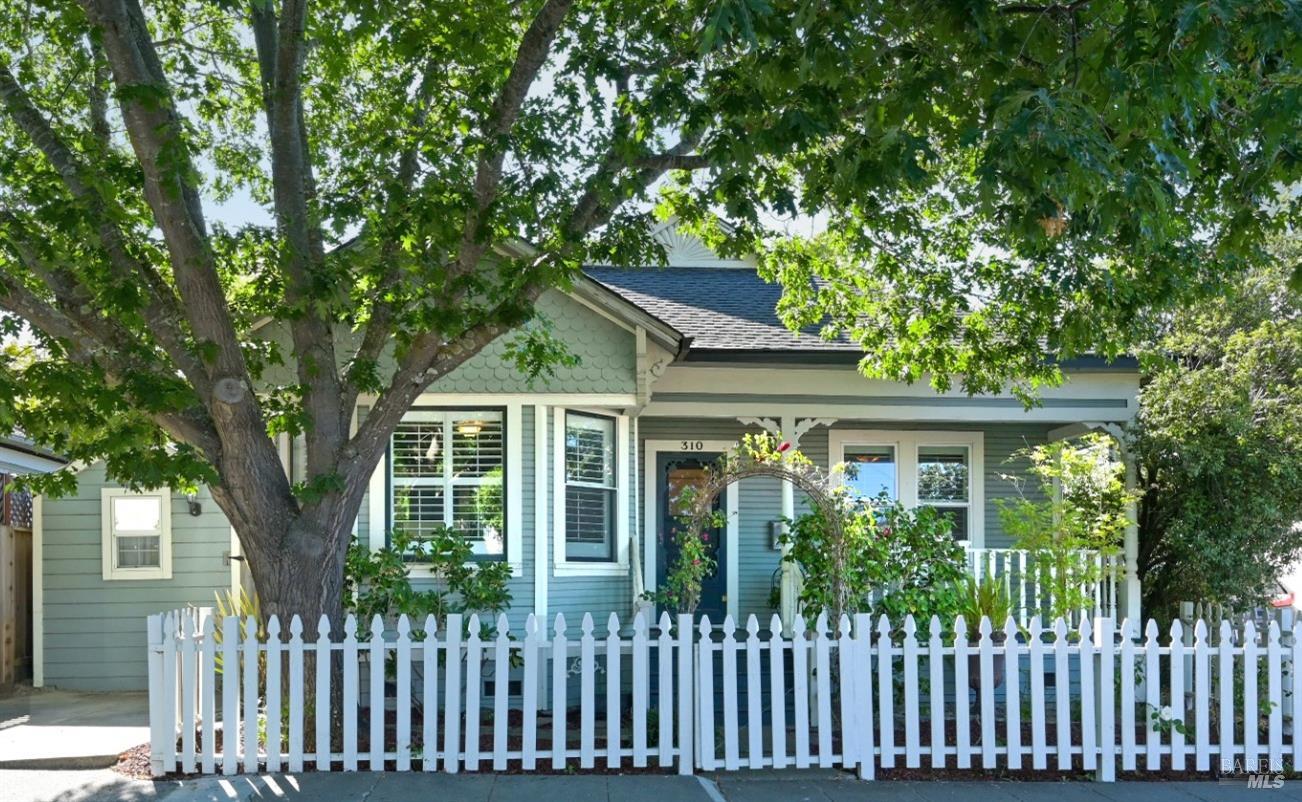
[1071,585]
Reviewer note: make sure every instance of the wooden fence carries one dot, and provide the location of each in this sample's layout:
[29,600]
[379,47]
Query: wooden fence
[685,695]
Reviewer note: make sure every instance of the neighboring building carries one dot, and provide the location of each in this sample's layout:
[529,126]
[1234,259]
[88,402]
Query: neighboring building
[568,481]
[18,457]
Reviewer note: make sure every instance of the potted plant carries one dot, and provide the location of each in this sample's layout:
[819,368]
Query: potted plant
[987,598]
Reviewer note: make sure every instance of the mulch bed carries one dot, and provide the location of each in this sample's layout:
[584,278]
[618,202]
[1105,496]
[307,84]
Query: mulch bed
[134,763]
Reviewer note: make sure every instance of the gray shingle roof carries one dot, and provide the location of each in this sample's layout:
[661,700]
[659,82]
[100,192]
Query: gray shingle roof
[727,309]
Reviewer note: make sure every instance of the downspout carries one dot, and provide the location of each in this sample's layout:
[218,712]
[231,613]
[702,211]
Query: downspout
[635,495]
[635,544]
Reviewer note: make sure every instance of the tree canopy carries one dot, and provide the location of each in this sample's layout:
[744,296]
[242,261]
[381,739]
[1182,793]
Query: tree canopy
[1219,447]
[997,184]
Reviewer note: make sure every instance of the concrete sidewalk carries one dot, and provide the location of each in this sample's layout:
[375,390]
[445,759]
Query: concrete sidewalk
[51,729]
[815,786]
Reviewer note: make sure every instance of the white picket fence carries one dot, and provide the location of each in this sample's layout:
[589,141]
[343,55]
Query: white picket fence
[685,695]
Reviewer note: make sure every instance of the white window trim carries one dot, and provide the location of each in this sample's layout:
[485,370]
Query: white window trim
[906,444]
[108,552]
[560,565]
[378,503]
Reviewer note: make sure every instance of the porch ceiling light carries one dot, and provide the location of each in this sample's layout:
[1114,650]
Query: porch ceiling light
[470,427]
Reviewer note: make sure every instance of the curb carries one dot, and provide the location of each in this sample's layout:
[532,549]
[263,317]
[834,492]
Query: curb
[63,763]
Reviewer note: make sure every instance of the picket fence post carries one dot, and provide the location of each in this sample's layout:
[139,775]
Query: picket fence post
[845,694]
[705,696]
[208,707]
[686,712]
[249,652]
[823,685]
[272,692]
[1178,677]
[862,682]
[641,689]
[186,683]
[429,661]
[885,698]
[1012,694]
[1106,702]
[529,716]
[322,692]
[613,731]
[474,690]
[777,691]
[403,677]
[159,737]
[665,691]
[452,697]
[296,694]
[501,685]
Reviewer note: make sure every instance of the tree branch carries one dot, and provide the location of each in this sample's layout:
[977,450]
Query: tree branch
[530,56]
[1037,8]
[665,162]
[185,427]
[281,50]
[598,201]
[161,305]
[156,133]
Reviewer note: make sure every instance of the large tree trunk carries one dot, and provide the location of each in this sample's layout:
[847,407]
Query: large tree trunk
[303,577]
[296,552]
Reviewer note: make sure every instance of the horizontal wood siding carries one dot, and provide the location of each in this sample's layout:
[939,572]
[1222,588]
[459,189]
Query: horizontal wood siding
[600,595]
[94,630]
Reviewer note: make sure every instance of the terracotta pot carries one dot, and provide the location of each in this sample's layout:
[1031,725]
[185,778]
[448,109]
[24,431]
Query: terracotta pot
[997,665]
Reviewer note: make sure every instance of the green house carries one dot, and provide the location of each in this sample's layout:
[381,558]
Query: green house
[569,480]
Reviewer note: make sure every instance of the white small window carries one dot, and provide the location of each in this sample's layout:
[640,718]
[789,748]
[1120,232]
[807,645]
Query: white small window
[590,492]
[590,487]
[137,534]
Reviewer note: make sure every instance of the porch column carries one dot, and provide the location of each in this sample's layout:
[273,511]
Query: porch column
[789,588]
[1130,589]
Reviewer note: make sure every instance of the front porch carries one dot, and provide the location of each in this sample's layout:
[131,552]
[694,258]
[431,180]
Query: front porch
[752,577]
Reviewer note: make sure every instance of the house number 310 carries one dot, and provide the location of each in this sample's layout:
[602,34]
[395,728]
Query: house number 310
[693,445]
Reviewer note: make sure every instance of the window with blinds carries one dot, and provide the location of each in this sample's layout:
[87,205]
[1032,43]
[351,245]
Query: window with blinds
[445,471]
[589,487]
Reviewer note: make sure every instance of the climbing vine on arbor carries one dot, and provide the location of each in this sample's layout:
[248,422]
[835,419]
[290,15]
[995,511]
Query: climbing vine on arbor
[756,455]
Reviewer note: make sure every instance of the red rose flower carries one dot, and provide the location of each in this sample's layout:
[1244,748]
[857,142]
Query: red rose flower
[786,444]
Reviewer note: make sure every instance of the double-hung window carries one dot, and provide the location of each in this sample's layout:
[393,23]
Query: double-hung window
[944,482]
[446,471]
[590,487]
[137,534]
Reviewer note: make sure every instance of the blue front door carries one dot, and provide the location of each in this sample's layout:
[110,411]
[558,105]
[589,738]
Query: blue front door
[675,472]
